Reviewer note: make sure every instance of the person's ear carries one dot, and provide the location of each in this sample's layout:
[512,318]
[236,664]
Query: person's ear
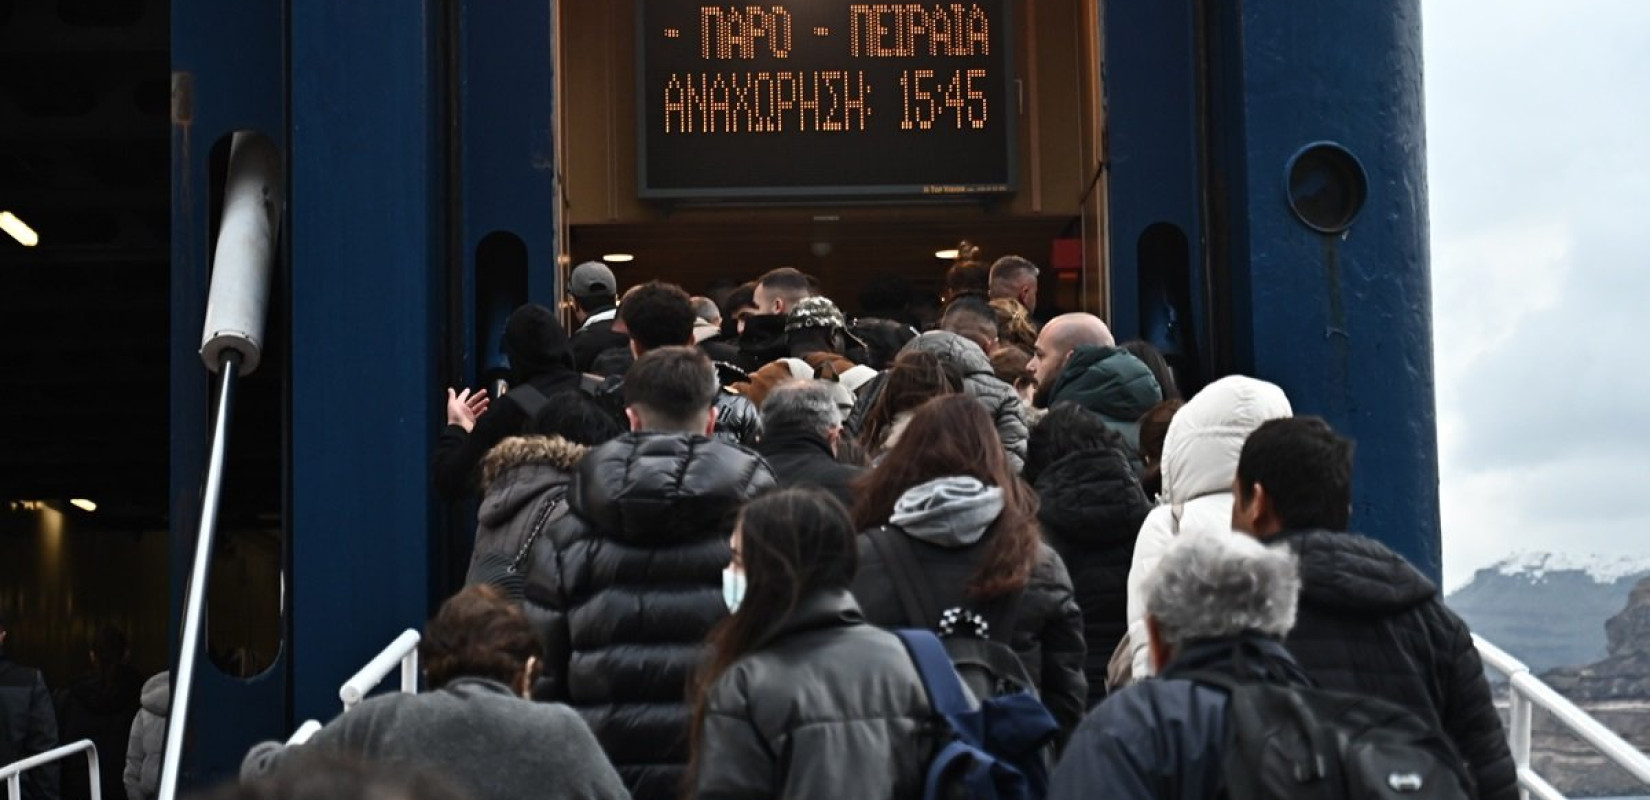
[1156,648]
[634,418]
[635,349]
[833,436]
[710,422]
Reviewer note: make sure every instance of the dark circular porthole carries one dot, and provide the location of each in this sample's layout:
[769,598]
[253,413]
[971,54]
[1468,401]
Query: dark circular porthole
[1326,186]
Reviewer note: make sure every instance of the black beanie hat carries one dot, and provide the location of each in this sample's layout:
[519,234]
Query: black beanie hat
[535,343]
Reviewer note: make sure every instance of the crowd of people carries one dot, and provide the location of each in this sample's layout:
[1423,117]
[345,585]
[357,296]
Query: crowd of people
[707,526]
[111,704]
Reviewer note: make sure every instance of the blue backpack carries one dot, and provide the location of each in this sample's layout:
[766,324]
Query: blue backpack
[997,749]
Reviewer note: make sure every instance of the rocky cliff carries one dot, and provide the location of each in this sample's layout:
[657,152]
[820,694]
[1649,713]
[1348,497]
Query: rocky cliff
[1615,690]
[1545,608]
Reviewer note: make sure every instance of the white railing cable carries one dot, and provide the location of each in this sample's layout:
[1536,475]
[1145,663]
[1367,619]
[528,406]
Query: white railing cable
[1528,693]
[402,652]
[12,773]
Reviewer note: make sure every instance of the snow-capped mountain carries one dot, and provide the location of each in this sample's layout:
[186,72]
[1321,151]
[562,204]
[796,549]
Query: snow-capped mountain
[1549,609]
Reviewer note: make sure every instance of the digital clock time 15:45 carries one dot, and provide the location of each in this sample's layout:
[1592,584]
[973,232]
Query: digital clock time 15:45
[929,97]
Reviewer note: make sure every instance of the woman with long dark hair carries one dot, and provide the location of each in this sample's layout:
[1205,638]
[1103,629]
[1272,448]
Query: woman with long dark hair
[801,698]
[973,534]
[915,378]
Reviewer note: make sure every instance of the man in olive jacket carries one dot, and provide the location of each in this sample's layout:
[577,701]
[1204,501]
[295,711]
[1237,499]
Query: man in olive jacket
[1369,623]
[1078,361]
[641,555]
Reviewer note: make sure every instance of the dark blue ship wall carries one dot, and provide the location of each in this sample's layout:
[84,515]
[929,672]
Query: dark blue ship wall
[367,272]
[418,146]
[1341,321]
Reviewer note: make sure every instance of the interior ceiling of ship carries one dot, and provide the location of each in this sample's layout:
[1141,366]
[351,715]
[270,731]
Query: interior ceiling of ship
[84,94]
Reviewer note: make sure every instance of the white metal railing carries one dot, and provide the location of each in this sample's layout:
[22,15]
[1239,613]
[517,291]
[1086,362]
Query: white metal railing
[1527,694]
[304,732]
[402,651]
[12,773]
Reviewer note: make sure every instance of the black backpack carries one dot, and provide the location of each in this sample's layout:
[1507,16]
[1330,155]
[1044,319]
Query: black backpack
[1305,743]
[973,635]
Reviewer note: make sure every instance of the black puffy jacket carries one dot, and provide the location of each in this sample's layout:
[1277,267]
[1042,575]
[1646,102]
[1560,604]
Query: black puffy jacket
[737,420]
[1048,632]
[1370,624]
[826,707]
[1091,509]
[637,588]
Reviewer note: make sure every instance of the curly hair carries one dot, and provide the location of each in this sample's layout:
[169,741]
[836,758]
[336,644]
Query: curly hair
[1014,325]
[478,633]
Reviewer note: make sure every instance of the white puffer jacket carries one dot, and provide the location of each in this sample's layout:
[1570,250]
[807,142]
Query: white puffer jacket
[1200,457]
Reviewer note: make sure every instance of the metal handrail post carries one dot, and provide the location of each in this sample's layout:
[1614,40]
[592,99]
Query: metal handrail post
[403,651]
[189,648]
[1519,725]
[13,773]
[409,672]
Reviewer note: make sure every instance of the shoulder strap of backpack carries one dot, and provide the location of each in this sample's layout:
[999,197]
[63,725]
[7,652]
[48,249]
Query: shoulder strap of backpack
[530,399]
[916,597]
[945,689]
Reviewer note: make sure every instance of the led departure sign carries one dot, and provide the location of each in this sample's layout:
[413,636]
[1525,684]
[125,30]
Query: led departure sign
[824,98]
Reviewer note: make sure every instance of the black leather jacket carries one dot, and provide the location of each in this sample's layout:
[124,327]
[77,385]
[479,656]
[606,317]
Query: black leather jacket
[629,587]
[737,420]
[827,706]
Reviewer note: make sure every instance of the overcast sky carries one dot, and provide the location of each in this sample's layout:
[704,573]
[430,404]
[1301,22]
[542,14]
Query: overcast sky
[1538,135]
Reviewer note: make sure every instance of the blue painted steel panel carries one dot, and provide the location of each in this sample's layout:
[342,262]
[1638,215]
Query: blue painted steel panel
[1343,323]
[509,136]
[228,73]
[366,233]
[1152,143]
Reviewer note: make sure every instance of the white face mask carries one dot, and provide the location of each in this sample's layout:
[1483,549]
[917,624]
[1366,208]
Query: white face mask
[733,587]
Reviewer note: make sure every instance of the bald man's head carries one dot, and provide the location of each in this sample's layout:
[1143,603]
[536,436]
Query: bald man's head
[1058,338]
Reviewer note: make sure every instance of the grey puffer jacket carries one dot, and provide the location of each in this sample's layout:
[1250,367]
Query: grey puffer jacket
[827,706]
[473,732]
[517,478]
[980,381]
[524,482]
[145,748]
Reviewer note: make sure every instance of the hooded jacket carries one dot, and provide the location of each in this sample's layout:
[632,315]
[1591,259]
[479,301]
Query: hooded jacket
[101,710]
[825,706]
[949,521]
[147,744]
[539,355]
[522,479]
[472,731]
[980,381]
[637,587]
[1200,456]
[1165,739]
[1370,624]
[1111,382]
[1091,510]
